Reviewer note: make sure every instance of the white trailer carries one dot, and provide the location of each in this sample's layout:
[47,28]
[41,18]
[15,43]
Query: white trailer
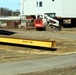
[68,9]
[63,10]
[33,7]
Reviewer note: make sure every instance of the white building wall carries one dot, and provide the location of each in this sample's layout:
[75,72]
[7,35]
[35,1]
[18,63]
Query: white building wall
[62,8]
[30,7]
[21,7]
[52,7]
[68,8]
[48,6]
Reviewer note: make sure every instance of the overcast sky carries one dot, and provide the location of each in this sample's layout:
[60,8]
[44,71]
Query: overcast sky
[11,4]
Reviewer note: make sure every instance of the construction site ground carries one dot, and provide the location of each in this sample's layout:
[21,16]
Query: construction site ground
[56,71]
[65,44]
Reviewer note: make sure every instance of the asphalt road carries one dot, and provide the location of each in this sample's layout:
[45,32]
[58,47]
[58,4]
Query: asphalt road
[11,68]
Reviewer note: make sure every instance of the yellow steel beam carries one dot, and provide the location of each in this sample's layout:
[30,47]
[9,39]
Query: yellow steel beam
[29,42]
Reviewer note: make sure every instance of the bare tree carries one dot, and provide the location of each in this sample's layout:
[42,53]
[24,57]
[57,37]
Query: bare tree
[8,12]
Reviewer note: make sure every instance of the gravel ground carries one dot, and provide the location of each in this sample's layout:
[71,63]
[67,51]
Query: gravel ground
[58,71]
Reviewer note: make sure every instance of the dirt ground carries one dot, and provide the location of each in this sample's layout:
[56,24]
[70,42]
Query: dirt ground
[65,44]
[57,71]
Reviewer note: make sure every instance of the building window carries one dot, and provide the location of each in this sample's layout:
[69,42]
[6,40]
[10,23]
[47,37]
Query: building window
[52,0]
[40,4]
[36,4]
[51,14]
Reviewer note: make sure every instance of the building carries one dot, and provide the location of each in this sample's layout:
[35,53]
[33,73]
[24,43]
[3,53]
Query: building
[63,10]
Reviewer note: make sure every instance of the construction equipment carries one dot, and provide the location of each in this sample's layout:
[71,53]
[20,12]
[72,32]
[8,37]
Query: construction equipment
[47,23]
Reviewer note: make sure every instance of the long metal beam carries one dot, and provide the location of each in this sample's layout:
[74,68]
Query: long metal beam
[39,43]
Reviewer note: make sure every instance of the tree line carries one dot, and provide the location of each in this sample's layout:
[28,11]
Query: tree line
[8,12]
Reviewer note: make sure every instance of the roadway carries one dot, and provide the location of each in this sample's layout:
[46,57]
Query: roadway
[11,68]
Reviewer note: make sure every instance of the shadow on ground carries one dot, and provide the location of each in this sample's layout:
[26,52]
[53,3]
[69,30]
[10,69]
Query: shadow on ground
[31,47]
[5,32]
